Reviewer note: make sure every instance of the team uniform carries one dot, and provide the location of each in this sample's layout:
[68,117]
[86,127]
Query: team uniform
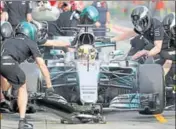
[102,8]
[169,53]
[72,18]
[146,40]
[15,51]
[17,11]
[65,20]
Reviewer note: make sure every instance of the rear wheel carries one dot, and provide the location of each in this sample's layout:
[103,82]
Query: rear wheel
[151,83]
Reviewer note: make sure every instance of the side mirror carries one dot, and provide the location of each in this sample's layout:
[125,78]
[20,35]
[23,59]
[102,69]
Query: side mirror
[117,53]
[55,52]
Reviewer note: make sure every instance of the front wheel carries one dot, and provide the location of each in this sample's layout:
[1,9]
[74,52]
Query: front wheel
[151,88]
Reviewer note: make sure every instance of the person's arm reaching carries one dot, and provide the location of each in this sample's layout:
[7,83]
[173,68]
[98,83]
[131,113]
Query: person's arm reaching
[29,17]
[41,63]
[126,35]
[4,15]
[29,11]
[158,41]
[97,23]
[56,43]
[108,16]
[154,51]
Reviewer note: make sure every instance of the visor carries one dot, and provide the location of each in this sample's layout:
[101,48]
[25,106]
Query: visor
[140,25]
[138,28]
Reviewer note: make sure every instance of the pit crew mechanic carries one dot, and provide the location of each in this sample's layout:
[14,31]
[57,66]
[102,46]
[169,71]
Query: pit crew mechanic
[149,34]
[16,12]
[72,18]
[169,54]
[104,18]
[5,32]
[16,50]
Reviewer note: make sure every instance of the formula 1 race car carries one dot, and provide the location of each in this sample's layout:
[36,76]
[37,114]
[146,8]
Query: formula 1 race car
[88,81]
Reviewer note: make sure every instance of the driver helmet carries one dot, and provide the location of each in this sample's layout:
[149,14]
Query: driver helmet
[6,30]
[169,25]
[89,15]
[27,29]
[87,52]
[141,18]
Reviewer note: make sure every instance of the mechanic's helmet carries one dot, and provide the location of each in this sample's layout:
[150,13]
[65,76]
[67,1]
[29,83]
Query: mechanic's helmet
[89,15]
[27,29]
[169,25]
[6,30]
[141,18]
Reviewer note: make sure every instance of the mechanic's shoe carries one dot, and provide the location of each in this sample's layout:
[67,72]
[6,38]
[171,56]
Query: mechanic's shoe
[49,92]
[23,124]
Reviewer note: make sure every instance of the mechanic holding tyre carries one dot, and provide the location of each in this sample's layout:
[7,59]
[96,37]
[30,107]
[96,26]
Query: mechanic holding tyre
[14,51]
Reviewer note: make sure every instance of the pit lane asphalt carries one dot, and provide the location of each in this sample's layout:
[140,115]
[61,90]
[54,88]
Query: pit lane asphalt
[117,120]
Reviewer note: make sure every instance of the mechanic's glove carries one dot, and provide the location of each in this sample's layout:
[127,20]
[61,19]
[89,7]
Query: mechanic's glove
[49,92]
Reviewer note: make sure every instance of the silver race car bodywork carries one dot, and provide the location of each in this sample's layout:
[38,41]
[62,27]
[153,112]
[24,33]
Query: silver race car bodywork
[87,81]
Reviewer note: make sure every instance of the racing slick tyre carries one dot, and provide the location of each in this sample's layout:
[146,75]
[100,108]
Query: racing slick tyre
[151,83]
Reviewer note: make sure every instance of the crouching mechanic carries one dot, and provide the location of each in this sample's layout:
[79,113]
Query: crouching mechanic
[15,51]
[6,31]
[169,54]
[149,37]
